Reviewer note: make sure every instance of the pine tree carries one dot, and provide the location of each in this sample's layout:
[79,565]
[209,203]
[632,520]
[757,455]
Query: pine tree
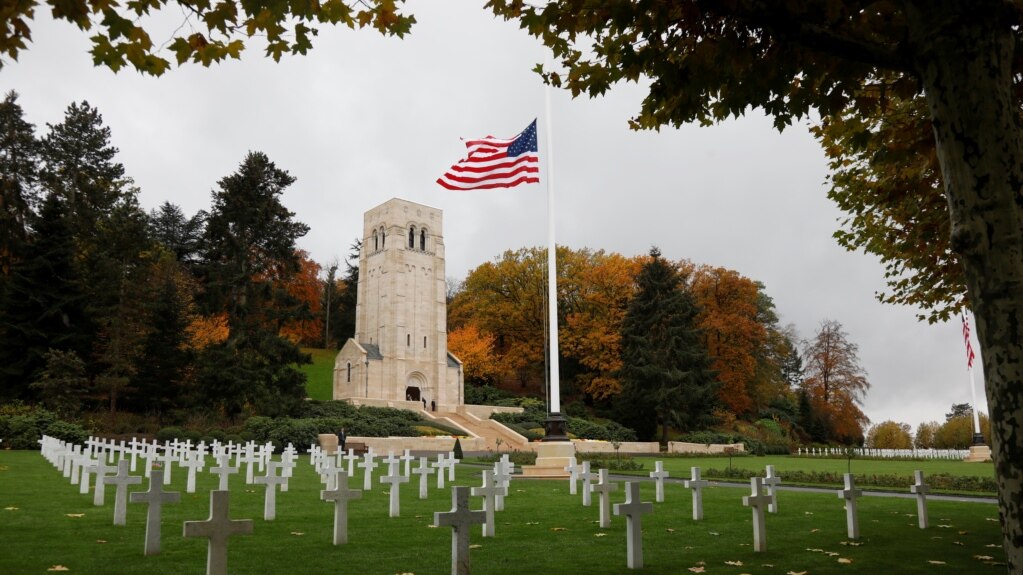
[344,328]
[19,166]
[666,373]
[42,307]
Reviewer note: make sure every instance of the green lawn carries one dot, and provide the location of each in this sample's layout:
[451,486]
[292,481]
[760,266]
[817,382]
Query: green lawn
[542,530]
[320,373]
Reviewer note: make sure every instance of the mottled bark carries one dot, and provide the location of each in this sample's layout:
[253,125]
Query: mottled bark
[962,53]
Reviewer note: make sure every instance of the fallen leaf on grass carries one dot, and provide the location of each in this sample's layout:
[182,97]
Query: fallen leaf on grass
[74,515]
[559,529]
[815,550]
[714,533]
[431,525]
[532,522]
[983,557]
[670,530]
[831,554]
[600,534]
[10,508]
[299,533]
[808,513]
[796,573]
[101,541]
[844,560]
[814,530]
[58,568]
[933,562]
[697,569]
[963,532]
[959,543]
[945,526]
[734,563]
[475,546]
[851,543]
[995,519]
[993,545]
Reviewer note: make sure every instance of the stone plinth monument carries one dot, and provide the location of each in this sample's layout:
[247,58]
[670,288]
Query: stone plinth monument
[399,351]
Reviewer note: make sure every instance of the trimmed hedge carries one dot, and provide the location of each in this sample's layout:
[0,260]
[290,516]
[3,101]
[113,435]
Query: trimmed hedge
[937,481]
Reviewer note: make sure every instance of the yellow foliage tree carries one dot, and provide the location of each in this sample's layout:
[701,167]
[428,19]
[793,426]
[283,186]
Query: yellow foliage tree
[889,435]
[206,330]
[480,363]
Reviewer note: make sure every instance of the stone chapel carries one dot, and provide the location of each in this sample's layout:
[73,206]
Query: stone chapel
[399,351]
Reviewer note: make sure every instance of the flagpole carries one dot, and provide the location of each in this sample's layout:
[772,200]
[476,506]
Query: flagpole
[556,427]
[978,437]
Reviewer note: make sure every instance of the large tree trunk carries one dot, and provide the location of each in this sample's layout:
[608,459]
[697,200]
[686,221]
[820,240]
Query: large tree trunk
[963,55]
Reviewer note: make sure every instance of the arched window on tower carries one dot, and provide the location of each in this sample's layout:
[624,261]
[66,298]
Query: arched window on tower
[422,239]
[349,372]
[383,238]
[376,240]
[412,237]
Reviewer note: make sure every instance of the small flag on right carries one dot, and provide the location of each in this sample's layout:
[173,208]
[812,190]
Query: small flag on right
[969,346]
[496,163]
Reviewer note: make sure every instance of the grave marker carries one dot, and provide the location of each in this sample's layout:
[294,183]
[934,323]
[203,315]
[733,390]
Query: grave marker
[271,480]
[122,480]
[921,490]
[100,469]
[224,470]
[850,494]
[604,488]
[757,500]
[489,492]
[407,458]
[439,466]
[156,497]
[194,461]
[351,458]
[395,479]
[217,528]
[587,478]
[659,475]
[770,482]
[573,476]
[460,519]
[633,510]
[502,478]
[340,496]
[423,471]
[697,485]
[369,465]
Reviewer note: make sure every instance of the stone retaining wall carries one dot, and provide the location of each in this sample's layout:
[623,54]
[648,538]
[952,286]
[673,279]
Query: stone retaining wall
[704,448]
[398,444]
[637,447]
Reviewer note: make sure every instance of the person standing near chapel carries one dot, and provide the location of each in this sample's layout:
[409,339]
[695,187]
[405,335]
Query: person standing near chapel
[341,439]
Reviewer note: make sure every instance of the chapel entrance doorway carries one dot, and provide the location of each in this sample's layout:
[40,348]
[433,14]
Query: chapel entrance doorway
[412,393]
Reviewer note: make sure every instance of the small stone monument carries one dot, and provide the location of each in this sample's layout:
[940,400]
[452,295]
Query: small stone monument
[603,488]
[340,496]
[460,519]
[659,475]
[850,494]
[633,510]
[369,465]
[587,478]
[271,480]
[218,528]
[489,492]
[921,490]
[697,485]
[156,497]
[770,482]
[758,500]
[423,471]
[395,479]
[122,480]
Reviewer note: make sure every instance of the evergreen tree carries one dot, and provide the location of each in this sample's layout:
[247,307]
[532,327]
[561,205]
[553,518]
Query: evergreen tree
[331,307]
[348,297]
[41,306]
[666,375]
[182,236]
[248,249]
[19,166]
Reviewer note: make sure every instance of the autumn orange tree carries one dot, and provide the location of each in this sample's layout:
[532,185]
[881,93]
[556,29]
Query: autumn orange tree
[835,382]
[305,288]
[480,363]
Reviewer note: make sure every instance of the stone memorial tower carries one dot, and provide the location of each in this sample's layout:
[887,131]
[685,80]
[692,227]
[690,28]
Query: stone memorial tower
[399,351]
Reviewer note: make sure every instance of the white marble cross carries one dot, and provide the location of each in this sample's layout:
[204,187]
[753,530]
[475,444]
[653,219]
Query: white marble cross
[387,461]
[351,458]
[770,482]
[150,455]
[136,448]
[88,466]
[217,528]
[603,488]
[850,494]
[395,479]
[101,470]
[156,497]
[633,510]
[439,465]
[249,457]
[289,460]
[757,500]
[587,476]
[423,471]
[271,480]
[166,461]
[450,463]
[122,480]
[921,490]
[659,475]
[573,476]
[489,492]
[340,496]
[369,465]
[697,485]
[460,519]
[502,478]
[407,458]
[194,461]
[327,468]
[224,470]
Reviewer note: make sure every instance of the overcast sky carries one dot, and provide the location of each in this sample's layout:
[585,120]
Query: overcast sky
[362,119]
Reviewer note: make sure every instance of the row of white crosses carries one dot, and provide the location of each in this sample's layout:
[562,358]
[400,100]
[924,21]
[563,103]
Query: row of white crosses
[929,453]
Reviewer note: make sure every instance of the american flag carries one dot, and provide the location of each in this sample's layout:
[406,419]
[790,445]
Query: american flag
[969,346]
[496,163]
